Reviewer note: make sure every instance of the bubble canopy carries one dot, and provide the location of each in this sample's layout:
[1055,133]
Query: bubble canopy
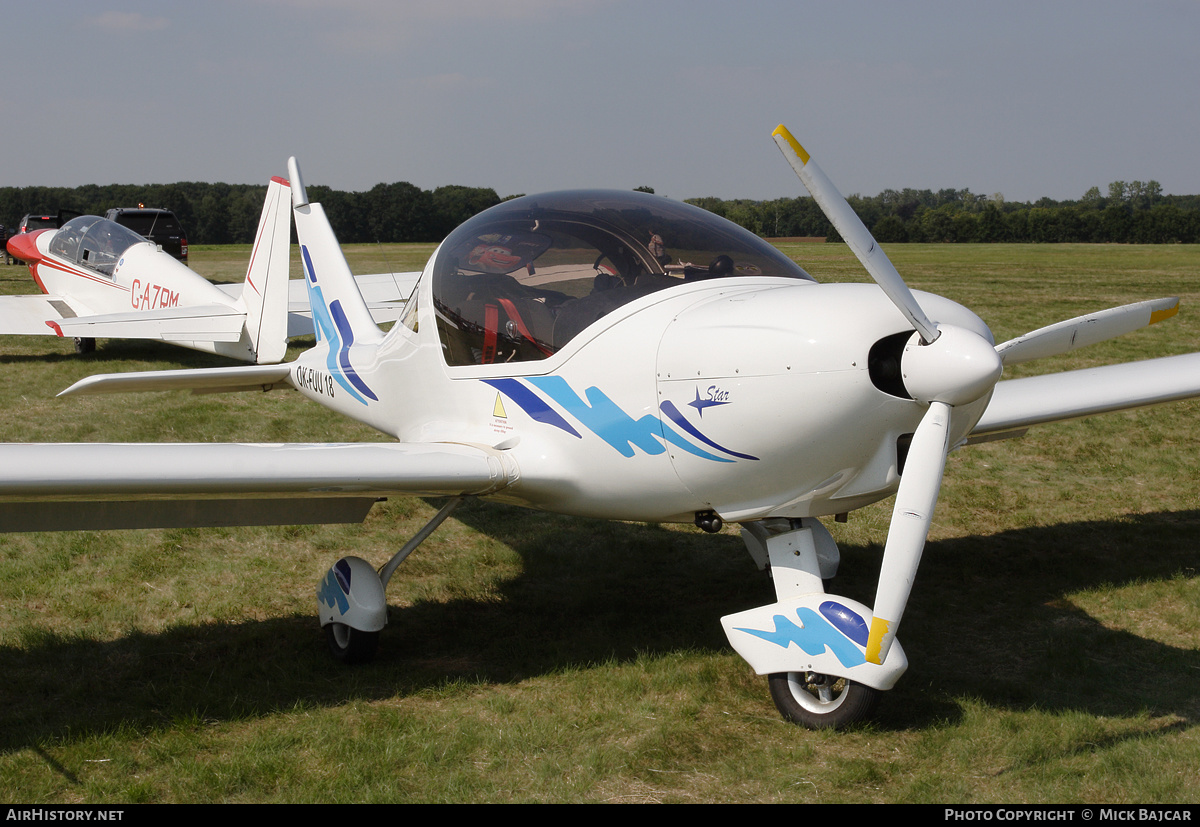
[94,242]
[520,280]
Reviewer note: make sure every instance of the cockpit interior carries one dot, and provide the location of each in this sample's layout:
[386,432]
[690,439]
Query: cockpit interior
[520,280]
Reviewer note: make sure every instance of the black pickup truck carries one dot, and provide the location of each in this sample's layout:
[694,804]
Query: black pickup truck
[160,226]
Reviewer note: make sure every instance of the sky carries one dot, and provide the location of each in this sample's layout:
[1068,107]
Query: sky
[1024,99]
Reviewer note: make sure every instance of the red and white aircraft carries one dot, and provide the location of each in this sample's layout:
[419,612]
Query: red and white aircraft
[619,355]
[102,280]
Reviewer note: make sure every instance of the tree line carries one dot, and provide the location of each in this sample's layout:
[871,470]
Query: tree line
[1131,212]
[1128,212]
[229,213]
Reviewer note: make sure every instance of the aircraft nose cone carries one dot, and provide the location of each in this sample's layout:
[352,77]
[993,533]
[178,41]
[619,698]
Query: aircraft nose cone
[24,246]
[959,367]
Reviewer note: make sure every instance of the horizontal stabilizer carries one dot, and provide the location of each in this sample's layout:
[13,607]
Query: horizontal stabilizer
[27,315]
[200,380]
[385,294]
[1054,397]
[1082,331]
[205,322]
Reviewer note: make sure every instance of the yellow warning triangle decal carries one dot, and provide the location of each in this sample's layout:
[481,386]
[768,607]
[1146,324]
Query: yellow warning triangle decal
[499,409]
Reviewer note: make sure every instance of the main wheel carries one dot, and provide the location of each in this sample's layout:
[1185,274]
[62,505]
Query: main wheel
[821,701]
[85,345]
[351,645]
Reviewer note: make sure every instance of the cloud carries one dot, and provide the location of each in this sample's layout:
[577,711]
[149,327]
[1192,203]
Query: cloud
[378,26]
[118,21]
[385,11]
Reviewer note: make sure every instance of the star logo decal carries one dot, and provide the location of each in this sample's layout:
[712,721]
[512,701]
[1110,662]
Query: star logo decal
[715,397]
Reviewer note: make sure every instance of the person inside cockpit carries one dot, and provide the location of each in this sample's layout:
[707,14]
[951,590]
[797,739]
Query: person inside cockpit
[519,281]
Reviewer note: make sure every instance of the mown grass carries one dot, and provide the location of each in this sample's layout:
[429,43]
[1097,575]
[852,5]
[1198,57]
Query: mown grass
[1052,633]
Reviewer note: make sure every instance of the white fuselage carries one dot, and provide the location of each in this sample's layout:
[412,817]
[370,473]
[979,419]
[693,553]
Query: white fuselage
[747,396]
[143,279]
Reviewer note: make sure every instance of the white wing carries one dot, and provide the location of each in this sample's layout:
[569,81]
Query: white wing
[27,315]
[49,487]
[1018,404]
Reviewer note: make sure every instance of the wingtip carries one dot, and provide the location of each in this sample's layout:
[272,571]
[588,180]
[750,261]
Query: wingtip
[79,387]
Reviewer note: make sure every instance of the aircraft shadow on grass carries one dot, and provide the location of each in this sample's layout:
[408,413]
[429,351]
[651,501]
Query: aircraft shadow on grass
[992,622]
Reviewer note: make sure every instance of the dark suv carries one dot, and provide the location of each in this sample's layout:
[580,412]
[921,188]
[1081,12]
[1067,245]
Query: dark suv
[29,223]
[34,221]
[160,226]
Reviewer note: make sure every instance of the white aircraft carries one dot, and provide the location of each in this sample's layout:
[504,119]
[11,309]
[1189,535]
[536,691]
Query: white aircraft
[618,355]
[101,279]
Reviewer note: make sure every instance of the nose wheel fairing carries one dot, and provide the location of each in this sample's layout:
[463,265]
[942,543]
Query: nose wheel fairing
[819,633]
[807,630]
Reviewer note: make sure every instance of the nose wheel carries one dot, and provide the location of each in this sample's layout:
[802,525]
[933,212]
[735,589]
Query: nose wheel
[818,701]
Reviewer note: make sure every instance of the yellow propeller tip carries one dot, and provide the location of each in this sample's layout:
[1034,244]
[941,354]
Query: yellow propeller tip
[782,132]
[1159,315]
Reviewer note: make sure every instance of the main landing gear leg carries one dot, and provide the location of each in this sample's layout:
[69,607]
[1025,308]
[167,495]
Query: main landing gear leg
[351,601]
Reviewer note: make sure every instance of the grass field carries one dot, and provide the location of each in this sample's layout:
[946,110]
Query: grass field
[1053,631]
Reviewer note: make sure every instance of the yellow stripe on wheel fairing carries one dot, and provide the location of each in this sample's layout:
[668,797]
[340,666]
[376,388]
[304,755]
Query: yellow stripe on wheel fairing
[879,628]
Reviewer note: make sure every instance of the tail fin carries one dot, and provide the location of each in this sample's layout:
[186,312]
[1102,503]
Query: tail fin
[340,315]
[265,291]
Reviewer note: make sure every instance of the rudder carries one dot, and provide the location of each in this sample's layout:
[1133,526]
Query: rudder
[340,314]
[265,291]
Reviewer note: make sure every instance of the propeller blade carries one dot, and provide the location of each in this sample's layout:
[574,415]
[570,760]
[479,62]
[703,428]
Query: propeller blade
[911,516]
[1086,330]
[854,232]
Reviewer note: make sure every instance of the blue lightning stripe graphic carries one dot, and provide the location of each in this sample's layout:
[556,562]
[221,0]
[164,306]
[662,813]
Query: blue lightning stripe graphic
[605,419]
[332,593]
[335,329]
[532,404]
[343,326]
[813,635]
[668,407]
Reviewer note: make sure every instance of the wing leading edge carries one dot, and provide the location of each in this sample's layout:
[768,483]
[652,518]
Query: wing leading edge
[45,487]
[1018,404]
